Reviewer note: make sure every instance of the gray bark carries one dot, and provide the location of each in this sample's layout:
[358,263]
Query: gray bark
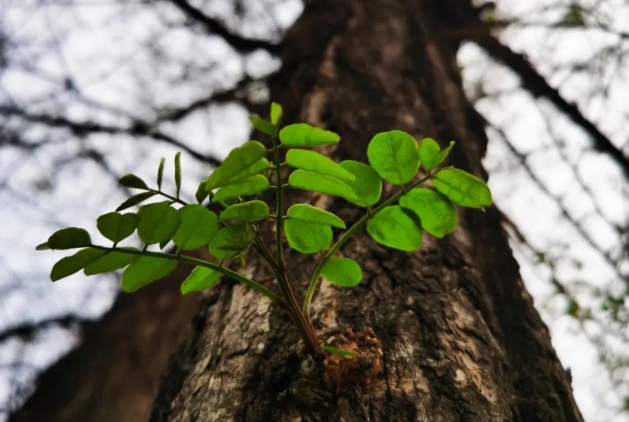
[450,331]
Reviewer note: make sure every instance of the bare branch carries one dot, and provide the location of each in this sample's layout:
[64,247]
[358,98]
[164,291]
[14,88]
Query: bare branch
[84,128]
[537,85]
[29,329]
[215,27]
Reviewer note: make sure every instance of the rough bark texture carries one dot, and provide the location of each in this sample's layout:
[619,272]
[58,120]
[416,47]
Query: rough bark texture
[114,373]
[460,338]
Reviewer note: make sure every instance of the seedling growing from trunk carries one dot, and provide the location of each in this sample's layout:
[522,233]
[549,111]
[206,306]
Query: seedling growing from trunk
[235,188]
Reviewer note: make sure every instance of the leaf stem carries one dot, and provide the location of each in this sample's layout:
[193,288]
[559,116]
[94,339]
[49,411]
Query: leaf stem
[183,258]
[346,236]
[306,329]
[172,198]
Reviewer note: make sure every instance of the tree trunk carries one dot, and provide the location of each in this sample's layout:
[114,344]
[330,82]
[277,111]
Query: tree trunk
[454,332]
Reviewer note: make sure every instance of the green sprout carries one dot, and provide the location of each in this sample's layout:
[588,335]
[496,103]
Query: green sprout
[235,188]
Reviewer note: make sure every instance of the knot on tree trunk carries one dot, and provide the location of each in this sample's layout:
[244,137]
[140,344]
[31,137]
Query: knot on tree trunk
[345,374]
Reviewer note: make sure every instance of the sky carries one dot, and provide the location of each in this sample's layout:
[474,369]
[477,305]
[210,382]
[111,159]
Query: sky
[127,58]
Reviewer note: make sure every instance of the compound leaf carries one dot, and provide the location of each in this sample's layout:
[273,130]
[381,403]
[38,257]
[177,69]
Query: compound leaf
[431,155]
[200,278]
[198,227]
[237,165]
[247,211]
[158,222]
[367,184]
[314,182]
[310,214]
[263,125]
[316,163]
[249,186]
[230,241]
[178,173]
[110,261]
[74,263]
[132,181]
[394,156]
[344,272]
[160,173]
[276,113]
[305,135]
[115,226]
[307,237]
[201,193]
[135,200]
[436,212]
[69,238]
[395,228]
[463,188]
[146,270]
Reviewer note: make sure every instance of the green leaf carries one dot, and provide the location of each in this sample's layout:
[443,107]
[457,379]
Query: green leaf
[75,263]
[463,188]
[198,227]
[146,270]
[310,214]
[344,272]
[276,113]
[43,247]
[70,238]
[200,278]
[240,160]
[247,211]
[178,172]
[132,181]
[160,173]
[305,135]
[307,237]
[111,261]
[135,200]
[249,186]
[395,228]
[158,222]
[394,156]
[317,163]
[435,210]
[263,125]
[116,227]
[339,352]
[201,193]
[367,186]
[431,155]
[230,241]
[257,168]
[314,182]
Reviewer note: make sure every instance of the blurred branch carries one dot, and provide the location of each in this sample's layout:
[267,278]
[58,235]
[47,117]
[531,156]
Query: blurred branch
[215,27]
[537,85]
[237,93]
[84,128]
[564,212]
[28,330]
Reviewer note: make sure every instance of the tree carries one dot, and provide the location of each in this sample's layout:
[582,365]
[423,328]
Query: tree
[459,335]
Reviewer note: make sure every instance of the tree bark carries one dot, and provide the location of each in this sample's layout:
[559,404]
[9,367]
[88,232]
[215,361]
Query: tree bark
[451,330]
